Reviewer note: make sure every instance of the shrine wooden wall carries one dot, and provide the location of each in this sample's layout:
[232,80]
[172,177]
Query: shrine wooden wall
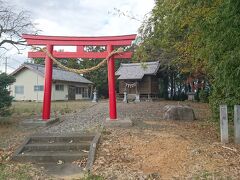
[148,85]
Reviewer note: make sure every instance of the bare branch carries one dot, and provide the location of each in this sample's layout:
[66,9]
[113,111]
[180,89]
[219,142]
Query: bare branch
[20,42]
[3,48]
[13,24]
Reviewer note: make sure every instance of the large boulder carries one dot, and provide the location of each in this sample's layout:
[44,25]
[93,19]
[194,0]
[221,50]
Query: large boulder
[178,112]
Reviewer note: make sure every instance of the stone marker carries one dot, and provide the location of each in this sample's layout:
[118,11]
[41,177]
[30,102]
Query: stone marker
[137,99]
[224,123]
[125,98]
[95,96]
[149,98]
[191,96]
[237,124]
[178,112]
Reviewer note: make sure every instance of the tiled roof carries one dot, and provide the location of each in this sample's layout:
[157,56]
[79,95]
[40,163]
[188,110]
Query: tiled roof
[137,70]
[58,74]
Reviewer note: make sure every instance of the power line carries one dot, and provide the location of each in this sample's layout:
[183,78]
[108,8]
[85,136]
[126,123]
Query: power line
[6,64]
[14,59]
[12,67]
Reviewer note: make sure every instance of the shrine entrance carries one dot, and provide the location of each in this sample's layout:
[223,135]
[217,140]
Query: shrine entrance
[49,42]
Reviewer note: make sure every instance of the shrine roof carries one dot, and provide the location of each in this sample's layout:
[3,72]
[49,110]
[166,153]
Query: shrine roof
[136,71]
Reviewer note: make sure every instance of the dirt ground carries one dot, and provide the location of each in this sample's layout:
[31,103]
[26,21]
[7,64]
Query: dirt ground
[161,149]
[12,134]
[153,148]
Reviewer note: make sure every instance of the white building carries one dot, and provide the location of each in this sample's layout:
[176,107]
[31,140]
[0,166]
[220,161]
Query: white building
[29,85]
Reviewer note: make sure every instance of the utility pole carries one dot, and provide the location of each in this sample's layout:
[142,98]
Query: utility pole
[6,65]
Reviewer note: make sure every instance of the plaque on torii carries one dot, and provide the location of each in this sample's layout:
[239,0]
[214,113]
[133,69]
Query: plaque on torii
[80,42]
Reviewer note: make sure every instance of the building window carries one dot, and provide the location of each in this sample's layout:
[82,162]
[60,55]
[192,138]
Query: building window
[78,90]
[84,93]
[38,88]
[19,89]
[59,87]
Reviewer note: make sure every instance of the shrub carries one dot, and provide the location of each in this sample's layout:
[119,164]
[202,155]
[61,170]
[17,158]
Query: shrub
[5,98]
[203,96]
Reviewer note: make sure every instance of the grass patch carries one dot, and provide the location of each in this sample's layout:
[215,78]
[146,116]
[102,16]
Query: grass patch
[20,172]
[92,177]
[59,107]
[209,175]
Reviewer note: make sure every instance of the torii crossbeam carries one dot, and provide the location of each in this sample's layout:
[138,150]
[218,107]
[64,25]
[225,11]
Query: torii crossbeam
[80,42]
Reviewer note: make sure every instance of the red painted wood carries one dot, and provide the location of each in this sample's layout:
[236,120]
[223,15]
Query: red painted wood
[85,38]
[80,42]
[111,86]
[47,86]
[80,48]
[125,55]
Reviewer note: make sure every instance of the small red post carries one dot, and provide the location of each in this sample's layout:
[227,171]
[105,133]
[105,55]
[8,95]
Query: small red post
[111,86]
[47,85]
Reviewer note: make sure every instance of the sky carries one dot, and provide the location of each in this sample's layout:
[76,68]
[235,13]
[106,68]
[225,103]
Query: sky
[79,18]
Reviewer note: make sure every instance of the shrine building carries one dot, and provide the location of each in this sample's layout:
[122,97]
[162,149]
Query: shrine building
[139,79]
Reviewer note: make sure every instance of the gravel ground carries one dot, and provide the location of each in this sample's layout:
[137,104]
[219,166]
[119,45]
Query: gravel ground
[86,120]
[91,119]
[143,151]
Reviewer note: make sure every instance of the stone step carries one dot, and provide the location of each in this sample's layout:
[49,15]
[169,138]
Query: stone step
[56,146]
[67,139]
[52,148]
[50,156]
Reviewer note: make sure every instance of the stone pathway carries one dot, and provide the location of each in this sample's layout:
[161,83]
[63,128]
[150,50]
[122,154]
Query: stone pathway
[80,121]
[92,118]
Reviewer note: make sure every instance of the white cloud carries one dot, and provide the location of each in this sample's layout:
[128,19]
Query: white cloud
[84,17]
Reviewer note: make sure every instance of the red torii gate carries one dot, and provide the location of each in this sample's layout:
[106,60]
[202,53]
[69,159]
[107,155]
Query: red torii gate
[50,41]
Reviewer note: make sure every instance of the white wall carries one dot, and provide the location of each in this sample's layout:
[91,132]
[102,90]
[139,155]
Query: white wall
[28,79]
[79,96]
[59,95]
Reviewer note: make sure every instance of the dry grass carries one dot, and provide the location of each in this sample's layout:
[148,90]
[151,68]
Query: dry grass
[160,149]
[25,110]
[35,108]
[176,151]
[12,135]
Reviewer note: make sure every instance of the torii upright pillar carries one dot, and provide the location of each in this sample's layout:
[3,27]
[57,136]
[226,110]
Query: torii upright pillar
[111,86]
[108,41]
[47,85]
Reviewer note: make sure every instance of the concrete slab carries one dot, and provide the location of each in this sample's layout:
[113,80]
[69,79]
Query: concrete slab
[126,122]
[39,122]
[48,150]
[62,171]
[92,152]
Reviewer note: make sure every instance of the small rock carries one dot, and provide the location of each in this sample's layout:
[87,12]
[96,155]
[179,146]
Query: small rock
[60,162]
[85,151]
[178,113]
[196,151]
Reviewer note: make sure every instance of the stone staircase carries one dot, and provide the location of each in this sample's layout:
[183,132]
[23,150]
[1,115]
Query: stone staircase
[58,148]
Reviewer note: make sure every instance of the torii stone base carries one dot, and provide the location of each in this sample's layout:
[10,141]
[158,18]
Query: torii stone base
[39,122]
[126,122]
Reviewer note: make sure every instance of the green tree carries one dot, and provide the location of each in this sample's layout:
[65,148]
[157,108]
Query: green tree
[5,98]
[203,40]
